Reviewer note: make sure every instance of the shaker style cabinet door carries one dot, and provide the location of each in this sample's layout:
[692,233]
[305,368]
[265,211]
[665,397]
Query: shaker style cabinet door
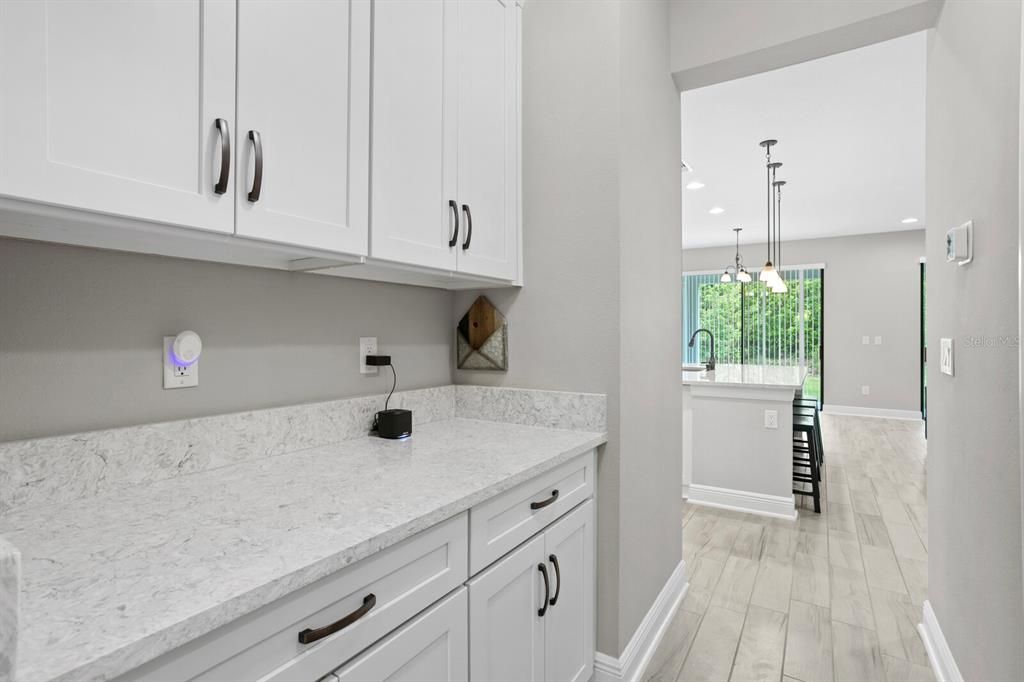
[303,122]
[569,628]
[113,107]
[433,646]
[487,137]
[415,208]
[507,640]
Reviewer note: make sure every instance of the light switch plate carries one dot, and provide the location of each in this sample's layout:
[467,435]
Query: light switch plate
[175,375]
[946,356]
[771,419]
[865,390]
[866,340]
[878,340]
[367,346]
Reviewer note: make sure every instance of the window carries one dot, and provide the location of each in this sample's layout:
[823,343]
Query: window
[754,326]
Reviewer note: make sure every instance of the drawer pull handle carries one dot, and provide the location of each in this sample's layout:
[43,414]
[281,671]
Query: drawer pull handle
[309,636]
[547,590]
[540,505]
[558,579]
[225,157]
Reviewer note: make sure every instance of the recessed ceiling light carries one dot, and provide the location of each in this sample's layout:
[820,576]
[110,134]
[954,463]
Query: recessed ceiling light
[716,210]
[909,221]
[694,185]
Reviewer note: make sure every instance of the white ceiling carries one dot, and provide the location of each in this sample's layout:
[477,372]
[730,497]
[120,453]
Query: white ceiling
[851,139]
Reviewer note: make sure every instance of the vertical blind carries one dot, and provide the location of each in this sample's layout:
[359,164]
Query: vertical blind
[752,325]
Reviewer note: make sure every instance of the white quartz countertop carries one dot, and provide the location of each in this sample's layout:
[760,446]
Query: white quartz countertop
[767,376]
[111,582]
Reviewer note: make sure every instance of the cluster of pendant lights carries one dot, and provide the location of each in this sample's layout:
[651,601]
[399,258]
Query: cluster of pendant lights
[770,272]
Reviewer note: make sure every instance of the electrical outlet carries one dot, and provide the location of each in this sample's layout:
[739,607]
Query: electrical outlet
[866,340]
[771,419]
[175,375]
[865,390]
[878,340]
[946,356]
[367,346]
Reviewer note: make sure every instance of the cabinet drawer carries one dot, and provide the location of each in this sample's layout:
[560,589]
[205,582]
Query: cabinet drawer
[435,647]
[264,645]
[503,522]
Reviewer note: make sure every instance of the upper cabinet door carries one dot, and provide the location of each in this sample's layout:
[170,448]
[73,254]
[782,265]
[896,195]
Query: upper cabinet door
[570,628]
[414,133]
[112,107]
[303,122]
[487,134]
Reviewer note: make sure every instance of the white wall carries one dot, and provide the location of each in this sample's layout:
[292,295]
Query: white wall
[600,311]
[81,348]
[872,288]
[714,41]
[974,477]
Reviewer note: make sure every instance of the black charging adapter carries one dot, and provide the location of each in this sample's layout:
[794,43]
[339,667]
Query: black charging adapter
[387,423]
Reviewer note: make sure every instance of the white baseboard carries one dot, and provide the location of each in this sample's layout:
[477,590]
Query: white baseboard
[742,501]
[884,413]
[935,644]
[630,666]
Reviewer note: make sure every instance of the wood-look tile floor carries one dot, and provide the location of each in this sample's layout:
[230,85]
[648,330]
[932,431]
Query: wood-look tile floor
[826,598]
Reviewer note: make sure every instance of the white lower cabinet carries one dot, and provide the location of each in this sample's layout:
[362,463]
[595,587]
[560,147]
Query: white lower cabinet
[422,610]
[531,614]
[434,646]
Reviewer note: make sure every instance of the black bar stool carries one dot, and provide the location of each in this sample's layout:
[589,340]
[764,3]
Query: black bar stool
[808,407]
[805,457]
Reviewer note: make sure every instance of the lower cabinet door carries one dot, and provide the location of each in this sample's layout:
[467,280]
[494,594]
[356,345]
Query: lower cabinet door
[504,616]
[569,622]
[433,646]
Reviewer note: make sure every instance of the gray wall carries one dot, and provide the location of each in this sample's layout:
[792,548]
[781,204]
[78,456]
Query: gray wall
[80,337]
[974,477]
[872,288]
[599,311]
[711,43]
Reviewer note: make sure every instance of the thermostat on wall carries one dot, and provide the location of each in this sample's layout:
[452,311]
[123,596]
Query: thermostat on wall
[960,244]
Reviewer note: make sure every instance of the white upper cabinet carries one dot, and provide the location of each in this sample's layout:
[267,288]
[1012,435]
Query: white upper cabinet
[445,135]
[415,210]
[112,107]
[303,122]
[487,114]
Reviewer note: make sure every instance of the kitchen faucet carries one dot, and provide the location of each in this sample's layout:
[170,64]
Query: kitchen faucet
[710,364]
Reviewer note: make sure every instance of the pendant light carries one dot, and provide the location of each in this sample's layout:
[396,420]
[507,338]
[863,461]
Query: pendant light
[768,271]
[780,285]
[737,268]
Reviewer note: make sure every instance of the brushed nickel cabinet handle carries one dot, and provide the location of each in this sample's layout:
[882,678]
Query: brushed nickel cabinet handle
[257,178]
[221,185]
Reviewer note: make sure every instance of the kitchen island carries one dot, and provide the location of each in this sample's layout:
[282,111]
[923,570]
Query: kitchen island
[737,437]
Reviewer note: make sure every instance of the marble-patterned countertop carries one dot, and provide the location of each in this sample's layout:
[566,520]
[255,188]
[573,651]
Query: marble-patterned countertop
[767,376]
[112,581]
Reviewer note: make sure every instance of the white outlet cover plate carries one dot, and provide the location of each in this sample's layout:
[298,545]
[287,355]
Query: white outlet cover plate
[771,419]
[866,340]
[878,340]
[367,346]
[946,356]
[176,376]
[865,390]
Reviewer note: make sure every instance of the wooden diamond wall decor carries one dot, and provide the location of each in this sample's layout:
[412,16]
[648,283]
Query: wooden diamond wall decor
[482,338]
